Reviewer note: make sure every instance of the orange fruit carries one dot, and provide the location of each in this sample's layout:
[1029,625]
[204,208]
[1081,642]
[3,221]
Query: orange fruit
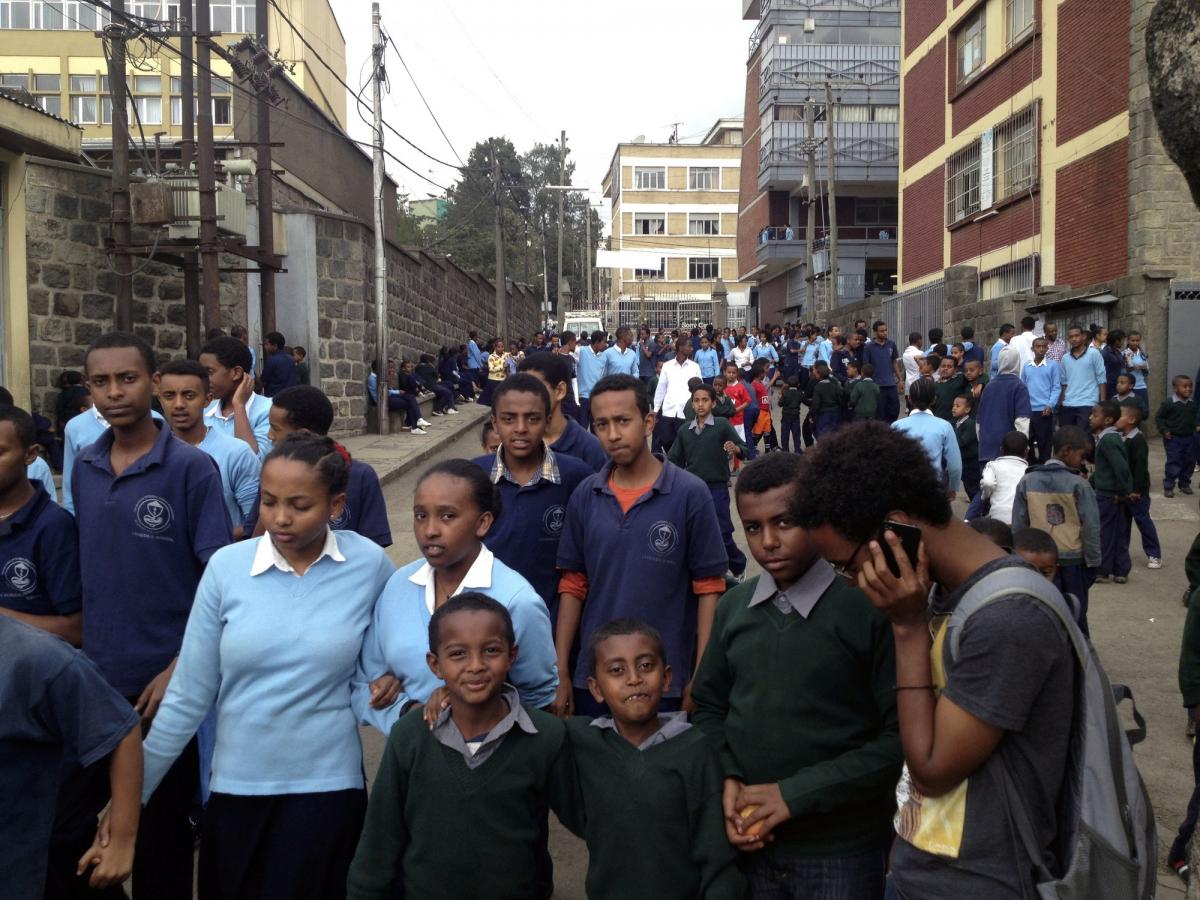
[757,827]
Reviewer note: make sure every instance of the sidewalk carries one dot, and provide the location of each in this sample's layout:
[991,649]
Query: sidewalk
[393,455]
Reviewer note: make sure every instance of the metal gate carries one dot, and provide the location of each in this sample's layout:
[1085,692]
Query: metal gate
[918,309]
[683,311]
[1183,330]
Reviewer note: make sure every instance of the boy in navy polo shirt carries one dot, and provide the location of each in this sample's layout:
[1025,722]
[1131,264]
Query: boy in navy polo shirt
[39,552]
[882,354]
[306,408]
[641,540]
[563,434]
[151,512]
[236,410]
[535,484]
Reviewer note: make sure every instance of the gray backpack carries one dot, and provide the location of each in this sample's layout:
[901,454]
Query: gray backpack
[1107,839]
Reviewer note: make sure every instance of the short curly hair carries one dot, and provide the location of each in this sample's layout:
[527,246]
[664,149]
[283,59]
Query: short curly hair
[862,472]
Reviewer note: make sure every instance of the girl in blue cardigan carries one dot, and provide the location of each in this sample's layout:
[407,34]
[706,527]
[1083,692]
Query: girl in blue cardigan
[272,643]
[454,506]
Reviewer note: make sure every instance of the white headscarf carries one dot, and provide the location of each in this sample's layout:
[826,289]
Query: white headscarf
[1010,362]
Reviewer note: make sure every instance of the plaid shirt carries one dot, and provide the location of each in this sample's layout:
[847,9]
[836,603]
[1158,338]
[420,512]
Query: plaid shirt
[548,471]
[1057,350]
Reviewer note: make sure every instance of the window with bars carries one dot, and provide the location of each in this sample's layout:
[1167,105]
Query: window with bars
[962,184]
[649,223]
[650,274]
[704,223]
[704,178]
[703,268]
[1016,153]
[971,42]
[1018,20]
[649,179]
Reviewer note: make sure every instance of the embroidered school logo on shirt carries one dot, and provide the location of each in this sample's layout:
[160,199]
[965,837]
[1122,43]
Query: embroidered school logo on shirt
[663,537]
[153,514]
[21,574]
[342,519]
[554,518]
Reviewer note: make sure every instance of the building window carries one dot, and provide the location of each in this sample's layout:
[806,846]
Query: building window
[1018,20]
[20,13]
[650,274]
[222,102]
[707,178]
[649,179]
[704,223]
[875,211]
[971,40]
[962,184]
[649,223]
[83,109]
[149,110]
[46,91]
[789,112]
[1016,153]
[703,268]
[16,80]
[233,16]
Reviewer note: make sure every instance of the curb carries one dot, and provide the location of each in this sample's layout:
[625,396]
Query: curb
[453,433]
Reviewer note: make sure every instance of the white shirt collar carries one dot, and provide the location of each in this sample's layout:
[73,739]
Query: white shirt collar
[267,555]
[920,412]
[479,576]
[214,408]
[99,418]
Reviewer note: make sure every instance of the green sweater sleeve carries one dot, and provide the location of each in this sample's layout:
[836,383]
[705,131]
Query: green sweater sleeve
[1160,417]
[562,786]
[677,452]
[377,861]
[1112,459]
[714,681]
[1189,654]
[858,774]
[713,856]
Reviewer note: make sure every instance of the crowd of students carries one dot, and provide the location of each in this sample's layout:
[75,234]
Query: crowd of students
[578,634]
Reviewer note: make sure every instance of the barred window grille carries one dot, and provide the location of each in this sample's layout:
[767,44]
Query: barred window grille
[1018,276]
[962,184]
[1016,153]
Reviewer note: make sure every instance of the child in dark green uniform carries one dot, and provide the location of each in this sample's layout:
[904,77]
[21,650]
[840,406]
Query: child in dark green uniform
[796,689]
[471,789]
[824,400]
[864,392]
[949,385]
[636,766]
[1137,505]
[789,414]
[968,444]
[1113,482]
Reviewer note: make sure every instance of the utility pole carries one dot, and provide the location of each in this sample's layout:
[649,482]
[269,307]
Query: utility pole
[501,286]
[545,272]
[587,249]
[381,323]
[831,141]
[187,154]
[811,225]
[266,217]
[121,218]
[210,284]
[562,179]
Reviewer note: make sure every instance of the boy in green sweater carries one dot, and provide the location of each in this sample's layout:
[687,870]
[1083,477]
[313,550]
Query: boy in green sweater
[1113,482]
[974,381]
[455,809]
[948,387]
[722,408]
[704,447]
[637,766]
[1176,421]
[864,392]
[1137,505]
[789,414]
[796,690]
[968,444]
[824,400]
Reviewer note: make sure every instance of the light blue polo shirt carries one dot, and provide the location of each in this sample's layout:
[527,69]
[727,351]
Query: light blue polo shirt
[766,351]
[39,471]
[825,351]
[589,370]
[620,362]
[1139,376]
[1083,377]
[995,356]
[240,469]
[258,411]
[1044,383]
[809,357]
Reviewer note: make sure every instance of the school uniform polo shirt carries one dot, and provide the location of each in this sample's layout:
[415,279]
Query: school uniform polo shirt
[1083,377]
[258,411]
[240,470]
[621,362]
[881,356]
[365,510]
[79,433]
[526,535]
[641,564]
[997,348]
[144,539]
[809,357]
[589,371]
[1044,382]
[39,559]
[708,362]
[580,443]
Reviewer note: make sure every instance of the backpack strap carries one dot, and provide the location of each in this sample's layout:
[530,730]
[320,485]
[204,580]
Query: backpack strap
[1005,582]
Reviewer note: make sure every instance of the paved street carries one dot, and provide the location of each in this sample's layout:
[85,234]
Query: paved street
[1136,628]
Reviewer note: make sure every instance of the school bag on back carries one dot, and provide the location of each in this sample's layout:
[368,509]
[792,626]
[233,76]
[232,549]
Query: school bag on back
[1107,839]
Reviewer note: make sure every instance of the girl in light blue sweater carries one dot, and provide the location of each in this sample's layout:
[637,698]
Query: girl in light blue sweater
[454,505]
[272,643]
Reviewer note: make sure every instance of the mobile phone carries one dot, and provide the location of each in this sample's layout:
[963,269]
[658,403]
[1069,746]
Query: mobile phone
[910,540]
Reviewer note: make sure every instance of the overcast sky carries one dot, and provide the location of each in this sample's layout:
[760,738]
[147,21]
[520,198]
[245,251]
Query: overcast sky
[605,70]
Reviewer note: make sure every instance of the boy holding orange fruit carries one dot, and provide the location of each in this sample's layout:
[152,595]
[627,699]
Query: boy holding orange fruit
[796,690]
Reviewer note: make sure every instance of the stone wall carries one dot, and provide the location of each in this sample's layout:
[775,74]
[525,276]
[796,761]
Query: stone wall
[431,303]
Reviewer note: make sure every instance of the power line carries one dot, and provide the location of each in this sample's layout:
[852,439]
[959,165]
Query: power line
[421,94]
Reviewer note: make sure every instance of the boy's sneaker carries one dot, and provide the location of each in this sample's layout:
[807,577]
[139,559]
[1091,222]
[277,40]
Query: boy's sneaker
[1120,579]
[1102,579]
[1168,493]
[1154,563]
[436,413]
[1180,868]
[423,423]
[452,411]
[419,431]
[1186,489]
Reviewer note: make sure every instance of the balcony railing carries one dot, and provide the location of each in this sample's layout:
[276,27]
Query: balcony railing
[765,6]
[802,65]
[786,233]
[857,143]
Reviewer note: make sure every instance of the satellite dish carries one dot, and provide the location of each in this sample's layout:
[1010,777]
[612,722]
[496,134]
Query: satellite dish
[640,139]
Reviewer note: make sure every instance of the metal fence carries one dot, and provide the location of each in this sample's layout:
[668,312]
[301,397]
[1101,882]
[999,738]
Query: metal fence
[918,309]
[673,311]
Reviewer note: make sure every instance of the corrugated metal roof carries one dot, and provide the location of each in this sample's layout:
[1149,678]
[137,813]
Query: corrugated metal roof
[14,96]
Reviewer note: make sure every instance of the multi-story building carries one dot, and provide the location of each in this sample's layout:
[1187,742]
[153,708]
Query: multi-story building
[1032,170]
[674,205]
[836,62]
[49,48]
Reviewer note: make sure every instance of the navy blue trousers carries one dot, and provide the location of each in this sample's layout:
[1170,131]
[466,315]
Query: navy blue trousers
[774,874]
[720,496]
[889,403]
[1076,579]
[971,476]
[790,428]
[1181,461]
[1114,538]
[1139,511]
[826,422]
[1041,438]
[1075,415]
